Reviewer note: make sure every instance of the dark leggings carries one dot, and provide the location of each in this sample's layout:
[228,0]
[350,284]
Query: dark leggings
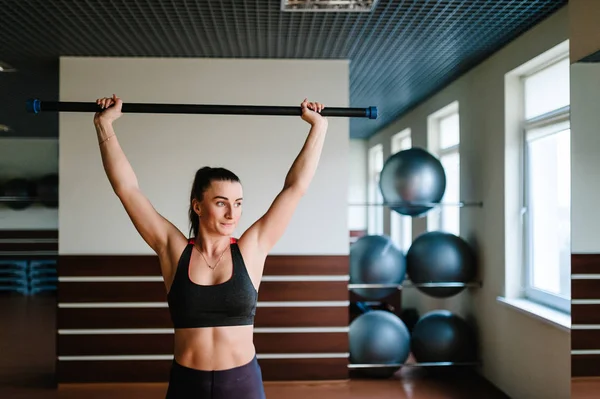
[243,382]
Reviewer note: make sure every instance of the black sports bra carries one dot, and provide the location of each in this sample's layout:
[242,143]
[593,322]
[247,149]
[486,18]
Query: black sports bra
[231,303]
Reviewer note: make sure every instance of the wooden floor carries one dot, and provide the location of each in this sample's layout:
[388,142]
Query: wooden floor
[27,352]
[585,388]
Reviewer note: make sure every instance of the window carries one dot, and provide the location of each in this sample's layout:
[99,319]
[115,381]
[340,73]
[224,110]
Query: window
[547,184]
[375,222]
[444,140]
[400,225]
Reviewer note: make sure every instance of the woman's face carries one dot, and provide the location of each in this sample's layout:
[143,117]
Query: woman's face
[221,207]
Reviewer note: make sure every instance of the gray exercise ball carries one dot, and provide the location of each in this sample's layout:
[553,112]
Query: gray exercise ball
[376,259]
[440,257]
[412,176]
[442,336]
[378,337]
[21,191]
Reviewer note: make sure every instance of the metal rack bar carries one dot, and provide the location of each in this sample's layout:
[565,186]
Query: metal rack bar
[424,364]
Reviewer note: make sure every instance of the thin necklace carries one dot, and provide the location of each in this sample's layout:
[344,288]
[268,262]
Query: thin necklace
[216,264]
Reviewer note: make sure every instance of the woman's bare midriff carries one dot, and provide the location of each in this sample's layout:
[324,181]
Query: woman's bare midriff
[214,348]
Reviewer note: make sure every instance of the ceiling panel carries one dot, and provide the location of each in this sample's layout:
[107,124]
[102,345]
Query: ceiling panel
[401,53]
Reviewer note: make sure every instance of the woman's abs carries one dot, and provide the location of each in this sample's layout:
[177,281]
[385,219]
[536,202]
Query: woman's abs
[214,348]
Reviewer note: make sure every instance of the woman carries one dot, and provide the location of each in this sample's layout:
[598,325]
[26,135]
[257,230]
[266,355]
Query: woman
[212,280]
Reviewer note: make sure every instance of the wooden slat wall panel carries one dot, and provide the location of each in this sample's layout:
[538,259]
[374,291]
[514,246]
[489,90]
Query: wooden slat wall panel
[143,291]
[31,234]
[585,365]
[585,264]
[124,318]
[75,318]
[302,317]
[28,244]
[306,265]
[95,266]
[8,245]
[585,289]
[75,371]
[76,312]
[585,339]
[585,315]
[304,291]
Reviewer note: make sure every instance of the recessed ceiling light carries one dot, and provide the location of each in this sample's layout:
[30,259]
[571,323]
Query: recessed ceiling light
[328,5]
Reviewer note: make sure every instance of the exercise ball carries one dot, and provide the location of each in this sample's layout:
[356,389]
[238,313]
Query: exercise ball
[442,336]
[438,257]
[376,259]
[378,337]
[20,188]
[47,190]
[412,176]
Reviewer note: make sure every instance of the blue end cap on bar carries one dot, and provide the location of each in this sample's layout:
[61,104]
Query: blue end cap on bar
[34,106]
[372,112]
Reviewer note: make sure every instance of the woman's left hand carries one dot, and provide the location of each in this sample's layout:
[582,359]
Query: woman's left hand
[311,112]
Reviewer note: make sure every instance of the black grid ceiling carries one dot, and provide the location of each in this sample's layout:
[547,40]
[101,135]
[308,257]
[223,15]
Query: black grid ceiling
[401,53]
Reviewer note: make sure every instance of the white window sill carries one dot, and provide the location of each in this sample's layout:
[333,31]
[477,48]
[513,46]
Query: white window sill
[543,313]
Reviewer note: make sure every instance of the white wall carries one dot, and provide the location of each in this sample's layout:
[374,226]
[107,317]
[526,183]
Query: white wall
[357,193]
[523,356]
[583,29]
[28,158]
[585,162]
[166,150]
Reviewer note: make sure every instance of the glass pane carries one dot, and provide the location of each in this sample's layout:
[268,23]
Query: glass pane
[401,226]
[401,141]
[547,89]
[401,230]
[450,215]
[549,213]
[449,131]
[405,144]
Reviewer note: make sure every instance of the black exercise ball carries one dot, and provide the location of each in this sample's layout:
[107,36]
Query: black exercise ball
[442,336]
[412,175]
[21,192]
[47,190]
[438,257]
[378,337]
[376,259]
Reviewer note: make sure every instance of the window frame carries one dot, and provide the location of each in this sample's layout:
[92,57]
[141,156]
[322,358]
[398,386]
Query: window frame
[549,123]
[544,125]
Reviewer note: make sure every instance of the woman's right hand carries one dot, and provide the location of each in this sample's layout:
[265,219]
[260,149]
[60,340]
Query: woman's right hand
[111,109]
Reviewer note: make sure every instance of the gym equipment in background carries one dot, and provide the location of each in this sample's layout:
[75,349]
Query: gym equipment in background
[441,336]
[381,338]
[438,257]
[18,193]
[376,260]
[47,190]
[412,182]
[36,106]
